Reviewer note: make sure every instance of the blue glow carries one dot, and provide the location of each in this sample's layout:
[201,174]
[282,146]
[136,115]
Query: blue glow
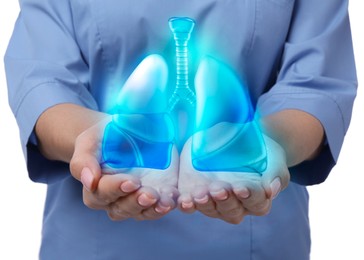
[181,28]
[137,140]
[227,138]
[145,90]
[141,134]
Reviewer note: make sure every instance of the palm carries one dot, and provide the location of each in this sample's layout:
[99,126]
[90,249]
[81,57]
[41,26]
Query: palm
[190,178]
[230,195]
[160,180]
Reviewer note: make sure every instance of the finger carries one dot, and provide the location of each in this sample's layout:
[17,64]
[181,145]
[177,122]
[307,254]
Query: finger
[277,176]
[110,189]
[227,204]
[200,194]
[133,204]
[274,188]
[257,203]
[170,192]
[208,208]
[234,220]
[166,203]
[240,190]
[230,206]
[117,216]
[275,181]
[219,190]
[84,164]
[260,209]
[231,210]
[89,175]
[185,203]
[162,207]
[204,202]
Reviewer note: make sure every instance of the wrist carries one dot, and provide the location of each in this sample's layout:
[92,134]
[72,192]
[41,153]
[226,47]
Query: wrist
[300,134]
[59,126]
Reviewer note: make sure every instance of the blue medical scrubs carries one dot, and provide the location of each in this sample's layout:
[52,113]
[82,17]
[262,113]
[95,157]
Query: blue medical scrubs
[292,54]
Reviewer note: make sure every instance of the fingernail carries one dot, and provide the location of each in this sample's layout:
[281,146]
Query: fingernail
[275,186]
[129,186]
[146,201]
[242,193]
[202,200]
[162,209]
[220,194]
[87,178]
[187,205]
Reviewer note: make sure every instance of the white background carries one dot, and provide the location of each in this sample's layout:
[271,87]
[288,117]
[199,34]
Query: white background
[336,210]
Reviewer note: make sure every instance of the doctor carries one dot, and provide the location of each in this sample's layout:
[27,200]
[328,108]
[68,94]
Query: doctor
[65,61]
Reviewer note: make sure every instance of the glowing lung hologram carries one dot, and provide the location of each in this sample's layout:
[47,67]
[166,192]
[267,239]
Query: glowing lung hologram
[141,134]
[137,140]
[226,138]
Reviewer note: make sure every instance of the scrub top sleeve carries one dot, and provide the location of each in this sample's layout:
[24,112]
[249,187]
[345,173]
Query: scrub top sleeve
[317,76]
[44,67]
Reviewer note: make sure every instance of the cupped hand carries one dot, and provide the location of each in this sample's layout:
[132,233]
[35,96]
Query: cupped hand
[231,196]
[138,193]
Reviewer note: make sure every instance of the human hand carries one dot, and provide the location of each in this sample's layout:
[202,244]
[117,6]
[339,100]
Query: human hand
[138,193]
[126,147]
[232,195]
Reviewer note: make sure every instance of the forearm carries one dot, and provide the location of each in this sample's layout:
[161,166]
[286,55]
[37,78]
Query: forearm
[299,133]
[59,126]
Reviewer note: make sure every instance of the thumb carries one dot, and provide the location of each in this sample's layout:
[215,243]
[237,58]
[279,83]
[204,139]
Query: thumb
[87,170]
[84,164]
[276,177]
